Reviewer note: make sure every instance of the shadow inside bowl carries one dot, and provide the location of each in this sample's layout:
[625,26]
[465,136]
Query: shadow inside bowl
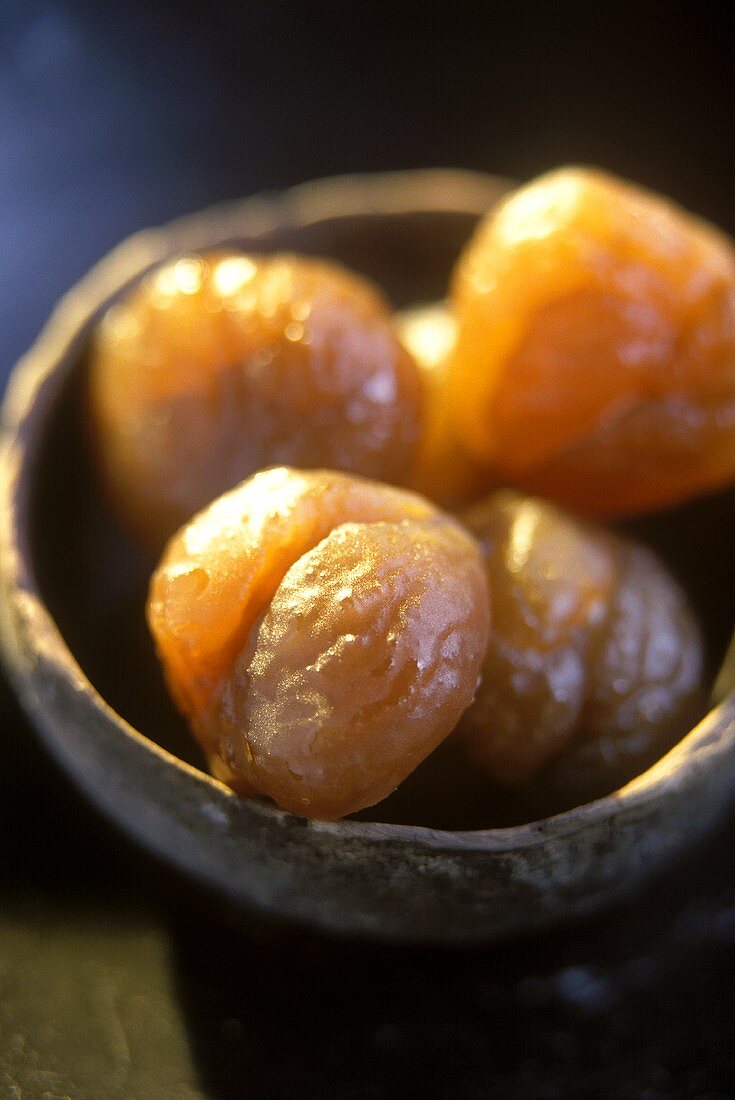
[72,629]
[93,577]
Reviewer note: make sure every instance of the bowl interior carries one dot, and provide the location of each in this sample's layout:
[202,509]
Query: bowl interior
[94,578]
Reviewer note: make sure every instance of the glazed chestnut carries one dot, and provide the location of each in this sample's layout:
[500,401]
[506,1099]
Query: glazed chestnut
[217,365]
[443,470]
[594,662]
[595,356]
[322,633]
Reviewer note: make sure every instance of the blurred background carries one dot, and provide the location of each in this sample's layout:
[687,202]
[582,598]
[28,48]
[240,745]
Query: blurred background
[116,979]
[119,115]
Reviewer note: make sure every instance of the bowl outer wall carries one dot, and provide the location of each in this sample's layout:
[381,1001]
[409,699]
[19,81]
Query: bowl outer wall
[385,881]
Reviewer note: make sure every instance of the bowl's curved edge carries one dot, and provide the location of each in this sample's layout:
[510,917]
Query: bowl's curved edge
[351,877]
[450,189]
[464,886]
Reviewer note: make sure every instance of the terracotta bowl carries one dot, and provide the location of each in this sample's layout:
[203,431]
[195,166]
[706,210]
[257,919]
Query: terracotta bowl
[72,590]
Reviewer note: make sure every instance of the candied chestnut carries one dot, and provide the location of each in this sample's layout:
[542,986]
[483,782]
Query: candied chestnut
[218,365]
[322,633]
[594,660]
[443,470]
[595,358]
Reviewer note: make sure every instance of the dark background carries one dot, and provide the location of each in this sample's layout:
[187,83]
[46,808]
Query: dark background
[116,979]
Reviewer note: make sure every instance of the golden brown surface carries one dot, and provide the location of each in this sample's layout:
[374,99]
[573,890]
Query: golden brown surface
[595,360]
[215,366]
[443,469]
[594,659]
[322,633]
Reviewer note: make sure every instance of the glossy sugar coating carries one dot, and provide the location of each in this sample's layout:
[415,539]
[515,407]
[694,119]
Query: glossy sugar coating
[322,633]
[443,469]
[218,365]
[595,359]
[594,660]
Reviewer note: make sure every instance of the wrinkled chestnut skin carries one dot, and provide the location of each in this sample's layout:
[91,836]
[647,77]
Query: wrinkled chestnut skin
[594,660]
[322,633]
[217,365]
[595,358]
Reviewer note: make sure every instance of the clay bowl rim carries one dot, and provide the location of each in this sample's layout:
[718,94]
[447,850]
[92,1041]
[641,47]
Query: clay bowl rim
[38,379]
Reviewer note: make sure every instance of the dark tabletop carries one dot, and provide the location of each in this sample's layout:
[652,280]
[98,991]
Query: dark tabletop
[117,978]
